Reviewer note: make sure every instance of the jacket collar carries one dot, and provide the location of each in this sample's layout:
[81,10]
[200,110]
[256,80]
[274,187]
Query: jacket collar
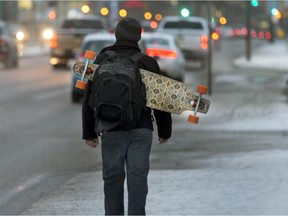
[123,44]
[126,43]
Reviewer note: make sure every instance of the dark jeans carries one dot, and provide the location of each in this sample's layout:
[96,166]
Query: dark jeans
[131,148]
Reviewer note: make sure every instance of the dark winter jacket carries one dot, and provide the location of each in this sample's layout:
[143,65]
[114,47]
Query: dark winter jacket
[163,119]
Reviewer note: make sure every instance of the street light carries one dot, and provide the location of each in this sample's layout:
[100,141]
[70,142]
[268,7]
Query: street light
[222,20]
[122,13]
[85,9]
[147,15]
[104,11]
[158,17]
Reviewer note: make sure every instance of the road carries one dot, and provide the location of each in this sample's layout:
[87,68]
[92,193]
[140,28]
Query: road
[40,133]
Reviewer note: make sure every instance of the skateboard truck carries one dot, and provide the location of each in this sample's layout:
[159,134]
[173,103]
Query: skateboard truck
[89,55]
[201,90]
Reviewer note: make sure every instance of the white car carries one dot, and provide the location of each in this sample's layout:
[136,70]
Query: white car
[192,34]
[167,53]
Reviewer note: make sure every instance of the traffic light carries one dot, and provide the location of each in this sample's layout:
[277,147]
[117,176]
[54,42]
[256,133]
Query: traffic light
[254,3]
[275,12]
[104,11]
[122,13]
[185,12]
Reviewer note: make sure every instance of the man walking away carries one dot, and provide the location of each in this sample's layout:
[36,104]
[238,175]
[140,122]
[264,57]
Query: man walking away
[125,151]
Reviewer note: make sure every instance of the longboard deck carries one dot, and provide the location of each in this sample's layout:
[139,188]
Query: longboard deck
[162,93]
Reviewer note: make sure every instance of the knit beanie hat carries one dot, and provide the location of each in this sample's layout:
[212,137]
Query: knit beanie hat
[128,29]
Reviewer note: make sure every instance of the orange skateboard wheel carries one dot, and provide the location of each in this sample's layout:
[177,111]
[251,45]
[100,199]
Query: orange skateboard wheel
[89,55]
[81,85]
[193,119]
[202,89]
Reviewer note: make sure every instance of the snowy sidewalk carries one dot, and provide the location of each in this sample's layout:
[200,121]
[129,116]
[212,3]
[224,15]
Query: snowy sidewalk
[206,191]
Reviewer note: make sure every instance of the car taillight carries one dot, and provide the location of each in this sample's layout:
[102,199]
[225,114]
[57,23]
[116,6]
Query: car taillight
[54,43]
[244,31]
[268,35]
[253,34]
[237,32]
[261,35]
[230,32]
[162,53]
[219,30]
[204,42]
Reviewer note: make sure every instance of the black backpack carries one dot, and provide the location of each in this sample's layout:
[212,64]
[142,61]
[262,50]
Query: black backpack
[118,92]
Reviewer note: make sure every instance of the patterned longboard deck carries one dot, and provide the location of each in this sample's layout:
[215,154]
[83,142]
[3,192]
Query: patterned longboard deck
[162,93]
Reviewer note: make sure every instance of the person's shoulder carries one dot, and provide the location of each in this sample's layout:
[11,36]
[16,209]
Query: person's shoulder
[102,55]
[149,63]
[148,60]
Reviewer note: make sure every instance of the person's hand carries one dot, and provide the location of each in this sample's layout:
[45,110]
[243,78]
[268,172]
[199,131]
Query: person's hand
[162,141]
[93,142]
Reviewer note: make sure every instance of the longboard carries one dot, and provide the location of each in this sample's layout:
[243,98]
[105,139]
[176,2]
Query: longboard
[162,93]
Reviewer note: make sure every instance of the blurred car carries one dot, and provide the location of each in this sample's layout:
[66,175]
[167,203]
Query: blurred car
[264,34]
[165,50]
[94,42]
[21,33]
[22,36]
[192,35]
[8,46]
[225,31]
[239,29]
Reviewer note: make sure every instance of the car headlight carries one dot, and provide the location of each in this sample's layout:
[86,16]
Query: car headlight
[20,35]
[47,34]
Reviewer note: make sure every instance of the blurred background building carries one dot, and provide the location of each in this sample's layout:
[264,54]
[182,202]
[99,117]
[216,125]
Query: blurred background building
[37,15]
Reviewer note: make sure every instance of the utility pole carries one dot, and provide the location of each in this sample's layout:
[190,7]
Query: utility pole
[209,57]
[248,36]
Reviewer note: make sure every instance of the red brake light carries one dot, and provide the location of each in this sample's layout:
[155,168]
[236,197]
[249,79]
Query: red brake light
[204,42]
[54,43]
[244,31]
[219,30]
[261,35]
[204,38]
[162,53]
[237,32]
[253,33]
[231,32]
[268,35]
